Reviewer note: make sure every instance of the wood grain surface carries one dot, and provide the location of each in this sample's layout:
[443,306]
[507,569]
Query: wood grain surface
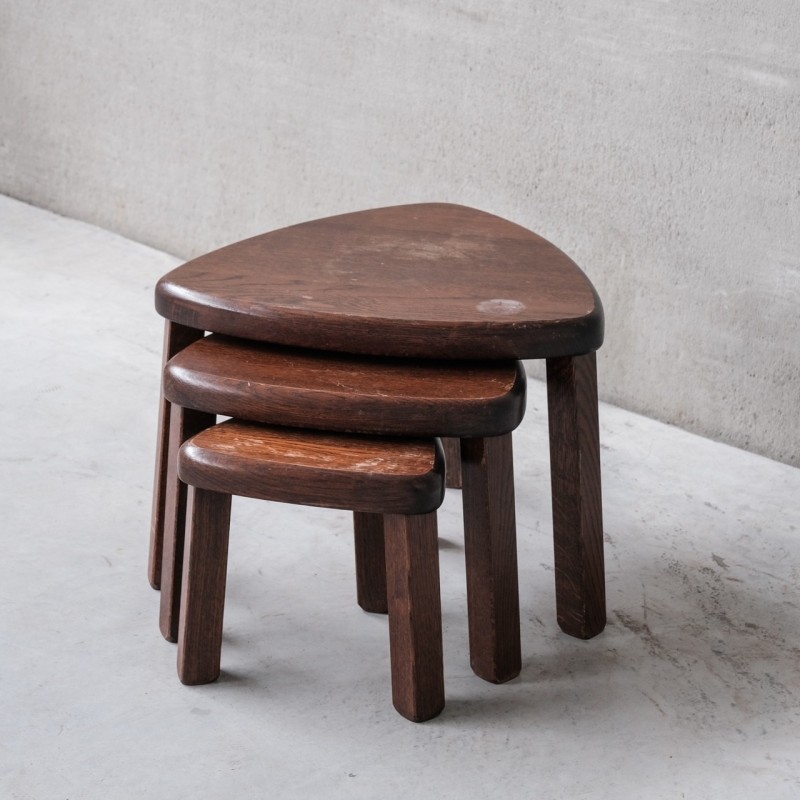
[415,615]
[370,562]
[235,457]
[313,468]
[490,549]
[176,337]
[203,587]
[429,280]
[184,424]
[452,457]
[577,498]
[338,392]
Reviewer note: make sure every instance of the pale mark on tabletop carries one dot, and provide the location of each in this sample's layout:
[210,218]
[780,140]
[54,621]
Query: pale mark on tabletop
[500,306]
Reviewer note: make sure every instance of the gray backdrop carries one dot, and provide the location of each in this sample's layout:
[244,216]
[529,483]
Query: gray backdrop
[656,142]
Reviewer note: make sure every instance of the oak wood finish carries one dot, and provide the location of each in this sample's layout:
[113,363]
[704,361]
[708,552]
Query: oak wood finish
[339,392]
[268,463]
[176,337]
[370,562]
[313,468]
[491,557]
[184,423]
[430,280]
[203,586]
[452,457]
[577,501]
[415,615]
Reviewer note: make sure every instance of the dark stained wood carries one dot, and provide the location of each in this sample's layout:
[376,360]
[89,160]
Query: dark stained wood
[412,567]
[491,556]
[415,616]
[370,562]
[452,457]
[430,280]
[184,423]
[176,337]
[314,468]
[338,392]
[203,589]
[577,500]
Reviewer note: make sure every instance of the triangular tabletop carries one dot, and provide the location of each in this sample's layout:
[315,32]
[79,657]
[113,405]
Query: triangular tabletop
[430,280]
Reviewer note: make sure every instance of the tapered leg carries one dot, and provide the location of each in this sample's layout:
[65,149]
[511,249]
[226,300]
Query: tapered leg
[176,337]
[203,591]
[370,562]
[452,459]
[577,500]
[184,423]
[415,615]
[490,548]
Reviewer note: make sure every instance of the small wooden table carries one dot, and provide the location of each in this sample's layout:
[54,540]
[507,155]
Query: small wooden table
[428,281]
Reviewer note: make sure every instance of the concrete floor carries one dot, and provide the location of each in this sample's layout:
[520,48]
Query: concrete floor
[692,691]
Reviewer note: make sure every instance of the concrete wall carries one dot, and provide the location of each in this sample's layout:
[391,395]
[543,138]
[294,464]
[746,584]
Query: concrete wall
[656,142]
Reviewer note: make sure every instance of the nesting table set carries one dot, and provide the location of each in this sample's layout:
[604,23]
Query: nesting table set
[366,360]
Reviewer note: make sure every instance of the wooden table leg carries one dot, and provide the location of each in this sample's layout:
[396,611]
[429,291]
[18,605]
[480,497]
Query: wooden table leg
[452,460]
[184,423]
[370,562]
[490,547]
[176,338]
[203,590]
[577,500]
[415,615]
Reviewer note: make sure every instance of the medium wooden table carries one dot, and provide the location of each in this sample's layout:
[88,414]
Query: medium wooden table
[428,281]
